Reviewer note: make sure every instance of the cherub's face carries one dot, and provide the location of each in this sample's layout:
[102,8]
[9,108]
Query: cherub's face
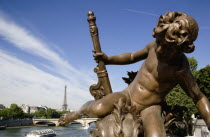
[181,32]
[176,29]
[186,34]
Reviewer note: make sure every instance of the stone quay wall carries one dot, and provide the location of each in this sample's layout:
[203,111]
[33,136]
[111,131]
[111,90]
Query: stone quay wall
[16,122]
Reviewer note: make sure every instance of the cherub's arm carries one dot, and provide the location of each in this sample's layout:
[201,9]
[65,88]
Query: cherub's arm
[189,85]
[128,58]
[125,58]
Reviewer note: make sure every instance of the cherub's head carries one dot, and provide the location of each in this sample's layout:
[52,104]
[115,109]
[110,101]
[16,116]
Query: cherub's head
[177,29]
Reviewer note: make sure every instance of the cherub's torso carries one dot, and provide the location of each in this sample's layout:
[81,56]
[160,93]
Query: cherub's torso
[154,80]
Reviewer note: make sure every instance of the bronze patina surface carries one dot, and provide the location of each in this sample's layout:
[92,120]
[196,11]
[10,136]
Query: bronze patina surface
[136,111]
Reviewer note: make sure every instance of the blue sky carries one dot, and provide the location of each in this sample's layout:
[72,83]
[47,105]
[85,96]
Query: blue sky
[45,44]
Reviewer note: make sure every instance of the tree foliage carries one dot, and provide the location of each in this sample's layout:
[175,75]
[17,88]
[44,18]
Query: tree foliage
[51,113]
[177,97]
[16,112]
[40,114]
[203,80]
[13,112]
[193,64]
[4,113]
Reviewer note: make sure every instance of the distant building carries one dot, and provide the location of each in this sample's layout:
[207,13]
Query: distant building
[32,109]
[2,106]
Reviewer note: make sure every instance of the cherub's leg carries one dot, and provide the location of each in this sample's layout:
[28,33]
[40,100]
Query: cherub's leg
[98,108]
[153,122]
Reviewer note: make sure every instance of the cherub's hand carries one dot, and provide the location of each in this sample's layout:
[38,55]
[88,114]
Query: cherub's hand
[67,118]
[62,120]
[100,56]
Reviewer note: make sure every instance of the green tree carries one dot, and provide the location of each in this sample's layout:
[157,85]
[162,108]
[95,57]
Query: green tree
[27,115]
[51,113]
[178,97]
[182,106]
[4,113]
[203,80]
[41,113]
[193,64]
[15,111]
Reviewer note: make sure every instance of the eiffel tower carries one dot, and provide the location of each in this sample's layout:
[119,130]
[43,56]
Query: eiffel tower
[64,106]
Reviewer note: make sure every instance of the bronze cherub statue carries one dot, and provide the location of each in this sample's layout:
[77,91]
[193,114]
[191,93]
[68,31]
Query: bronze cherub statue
[165,66]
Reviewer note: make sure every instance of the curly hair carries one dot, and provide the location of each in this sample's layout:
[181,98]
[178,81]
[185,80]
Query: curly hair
[178,29]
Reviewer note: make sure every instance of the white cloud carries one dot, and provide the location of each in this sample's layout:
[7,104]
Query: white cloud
[26,41]
[22,83]
[20,79]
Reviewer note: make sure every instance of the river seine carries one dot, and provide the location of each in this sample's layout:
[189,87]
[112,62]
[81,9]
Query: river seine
[74,130]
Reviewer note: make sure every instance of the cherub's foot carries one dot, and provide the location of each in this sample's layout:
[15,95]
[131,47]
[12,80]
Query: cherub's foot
[67,118]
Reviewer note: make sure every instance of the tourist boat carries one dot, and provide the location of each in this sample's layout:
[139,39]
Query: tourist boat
[42,133]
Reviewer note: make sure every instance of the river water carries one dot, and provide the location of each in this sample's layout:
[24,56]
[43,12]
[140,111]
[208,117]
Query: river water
[73,130]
